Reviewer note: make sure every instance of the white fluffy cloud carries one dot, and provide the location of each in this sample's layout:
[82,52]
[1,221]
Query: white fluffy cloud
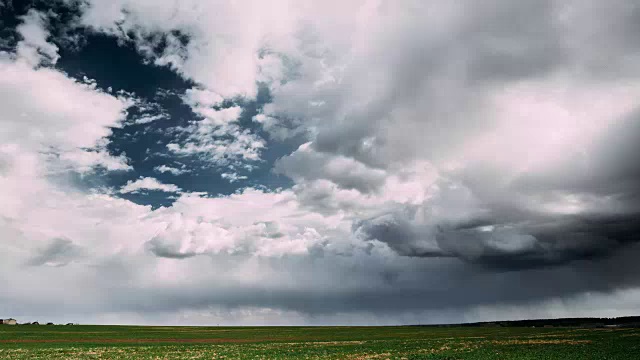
[147,183]
[46,112]
[224,38]
[34,46]
[169,169]
[55,120]
[48,115]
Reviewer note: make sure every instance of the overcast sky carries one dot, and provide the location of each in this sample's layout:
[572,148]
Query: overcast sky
[319,162]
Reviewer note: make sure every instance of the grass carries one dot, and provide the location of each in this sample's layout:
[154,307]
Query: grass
[402,342]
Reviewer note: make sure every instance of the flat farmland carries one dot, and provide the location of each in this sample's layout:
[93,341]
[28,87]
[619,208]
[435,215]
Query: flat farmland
[402,342]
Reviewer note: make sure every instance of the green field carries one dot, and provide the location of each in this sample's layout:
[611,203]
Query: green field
[403,342]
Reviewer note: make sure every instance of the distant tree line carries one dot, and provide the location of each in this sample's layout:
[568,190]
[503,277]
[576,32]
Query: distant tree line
[626,321]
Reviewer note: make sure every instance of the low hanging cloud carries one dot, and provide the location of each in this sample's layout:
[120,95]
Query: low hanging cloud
[508,247]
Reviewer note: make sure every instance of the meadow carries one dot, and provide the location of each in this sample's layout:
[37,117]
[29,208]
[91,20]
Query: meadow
[401,342]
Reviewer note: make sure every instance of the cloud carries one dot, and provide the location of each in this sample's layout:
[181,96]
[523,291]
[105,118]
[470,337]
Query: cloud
[167,251]
[491,103]
[169,169]
[149,118]
[216,136]
[87,161]
[506,246]
[219,52]
[232,147]
[58,117]
[306,164]
[201,97]
[233,177]
[460,160]
[59,252]
[147,183]
[34,47]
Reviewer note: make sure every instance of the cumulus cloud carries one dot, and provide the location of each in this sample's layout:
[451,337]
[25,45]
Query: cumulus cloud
[57,113]
[307,165]
[34,46]
[147,183]
[219,52]
[46,112]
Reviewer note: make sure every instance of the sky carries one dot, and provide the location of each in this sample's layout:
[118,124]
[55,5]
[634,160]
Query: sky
[302,162]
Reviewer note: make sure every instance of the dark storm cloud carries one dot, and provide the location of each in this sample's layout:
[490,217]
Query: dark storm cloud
[533,242]
[607,174]
[417,285]
[506,238]
[401,235]
[538,245]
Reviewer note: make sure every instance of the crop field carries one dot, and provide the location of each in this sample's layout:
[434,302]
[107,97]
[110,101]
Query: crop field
[402,342]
